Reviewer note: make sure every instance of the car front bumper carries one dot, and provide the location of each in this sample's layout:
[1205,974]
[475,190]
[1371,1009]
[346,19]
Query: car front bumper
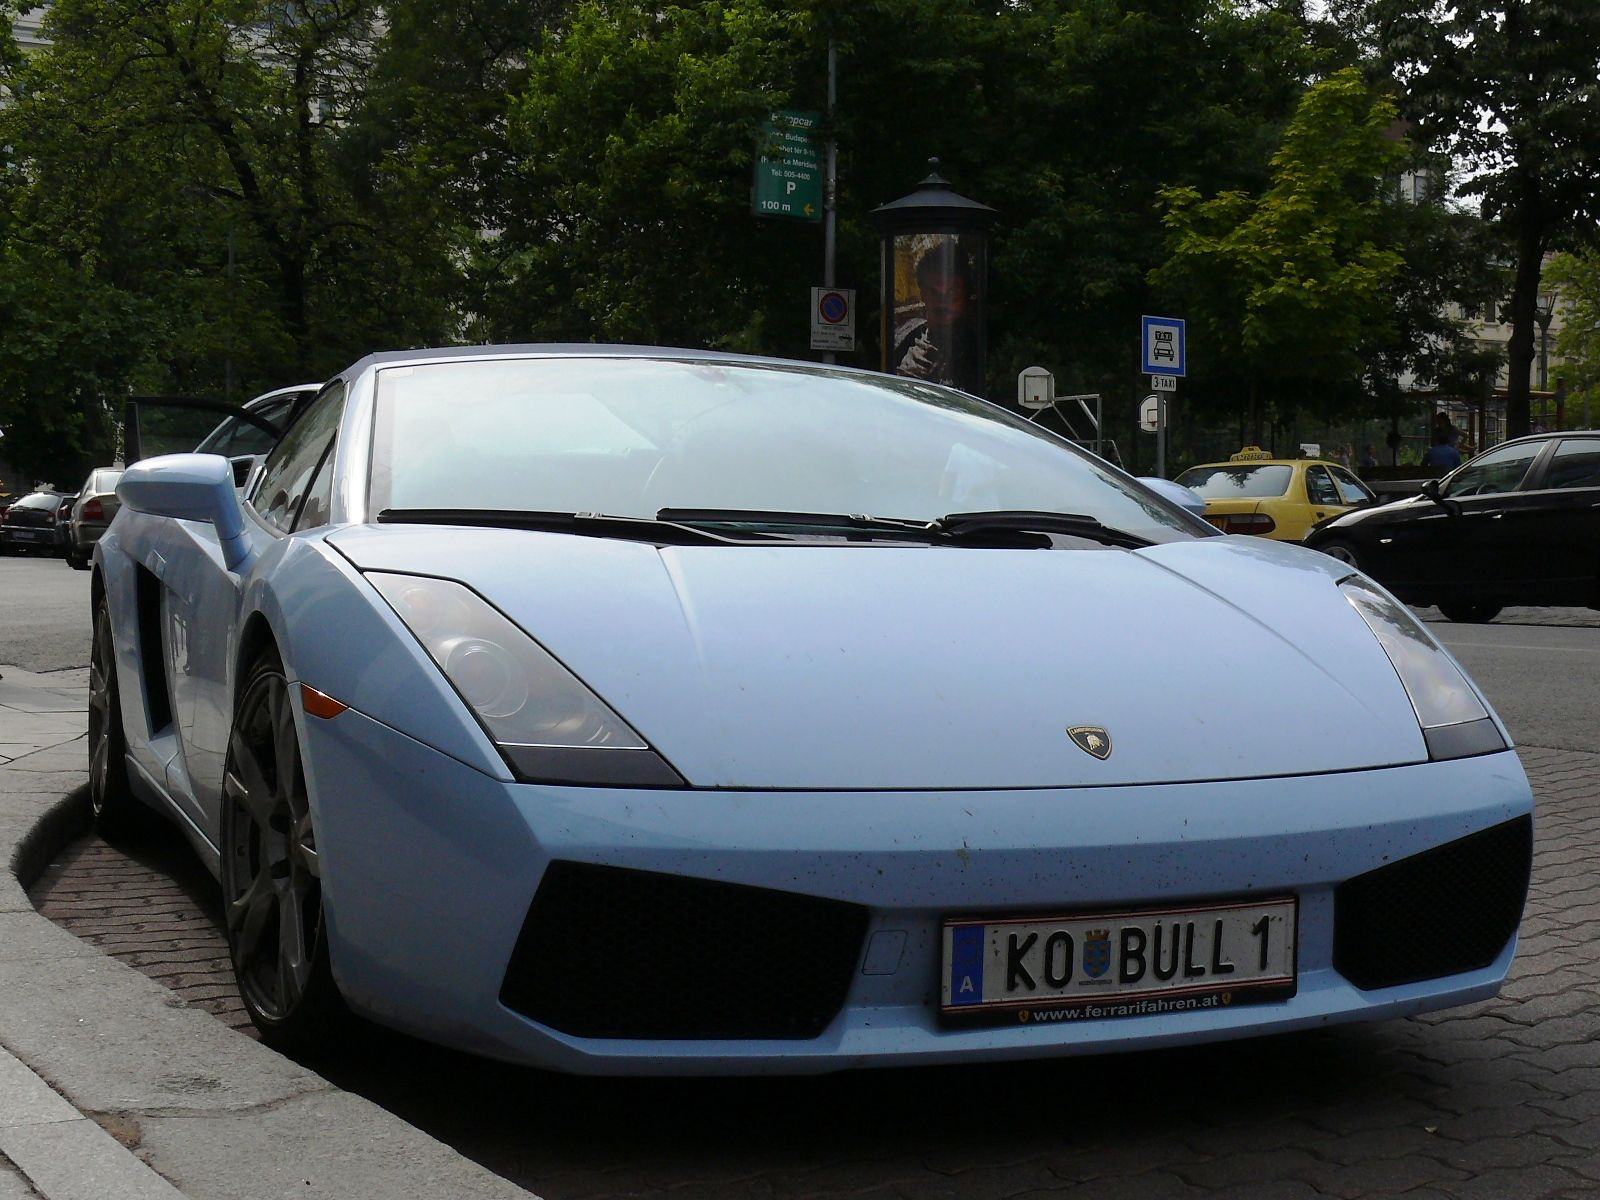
[430,867]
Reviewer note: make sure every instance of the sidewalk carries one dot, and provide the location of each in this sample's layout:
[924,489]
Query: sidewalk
[113,1087]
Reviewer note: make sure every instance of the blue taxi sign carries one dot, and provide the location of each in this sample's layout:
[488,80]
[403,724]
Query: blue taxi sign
[1162,346]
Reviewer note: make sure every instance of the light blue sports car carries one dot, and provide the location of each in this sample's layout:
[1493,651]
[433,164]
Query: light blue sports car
[654,711]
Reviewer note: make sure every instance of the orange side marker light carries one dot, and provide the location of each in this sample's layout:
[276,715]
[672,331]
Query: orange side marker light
[319,705]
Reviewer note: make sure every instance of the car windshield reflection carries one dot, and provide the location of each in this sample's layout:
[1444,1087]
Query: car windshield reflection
[630,437]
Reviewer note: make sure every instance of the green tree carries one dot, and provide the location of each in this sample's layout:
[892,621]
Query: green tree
[1289,286]
[205,175]
[1577,345]
[1452,262]
[637,134]
[1507,91]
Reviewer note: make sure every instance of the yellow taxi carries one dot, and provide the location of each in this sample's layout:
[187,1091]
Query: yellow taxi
[1279,498]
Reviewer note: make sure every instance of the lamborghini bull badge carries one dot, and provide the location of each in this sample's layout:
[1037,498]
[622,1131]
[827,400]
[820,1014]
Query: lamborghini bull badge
[1091,739]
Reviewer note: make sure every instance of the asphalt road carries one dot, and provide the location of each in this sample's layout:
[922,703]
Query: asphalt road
[44,614]
[1539,677]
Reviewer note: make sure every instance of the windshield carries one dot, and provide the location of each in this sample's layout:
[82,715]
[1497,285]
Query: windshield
[632,436]
[1237,482]
[38,500]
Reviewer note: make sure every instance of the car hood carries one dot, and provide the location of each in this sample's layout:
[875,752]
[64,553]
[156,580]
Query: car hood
[914,667]
[1407,509]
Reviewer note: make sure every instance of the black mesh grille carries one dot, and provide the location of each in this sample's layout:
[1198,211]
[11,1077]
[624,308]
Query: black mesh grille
[1441,912]
[608,952]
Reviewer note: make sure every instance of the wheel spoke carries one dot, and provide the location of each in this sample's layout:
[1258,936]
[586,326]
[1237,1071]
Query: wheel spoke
[292,960]
[247,783]
[248,916]
[99,759]
[98,698]
[303,847]
[99,688]
[285,745]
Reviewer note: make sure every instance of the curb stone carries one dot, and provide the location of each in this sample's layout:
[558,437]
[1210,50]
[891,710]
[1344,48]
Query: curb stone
[113,1088]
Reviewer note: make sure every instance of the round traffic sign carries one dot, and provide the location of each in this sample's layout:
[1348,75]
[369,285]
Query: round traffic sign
[1150,414]
[833,308]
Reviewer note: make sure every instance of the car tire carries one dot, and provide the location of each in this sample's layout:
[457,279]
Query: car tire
[116,810]
[271,876]
[1470,614]
[1343,551]
[78,560]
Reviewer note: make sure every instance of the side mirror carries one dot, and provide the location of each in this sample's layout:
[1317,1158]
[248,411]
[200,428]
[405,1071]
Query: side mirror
[190,487]
[1434,490]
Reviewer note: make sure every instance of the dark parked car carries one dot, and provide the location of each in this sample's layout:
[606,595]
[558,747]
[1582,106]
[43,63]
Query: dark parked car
[91,512]
[35,523]
[1518,524]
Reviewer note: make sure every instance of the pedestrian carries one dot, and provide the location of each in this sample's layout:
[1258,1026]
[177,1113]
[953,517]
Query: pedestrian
[1369,456]
[1443,427]
[1442,453]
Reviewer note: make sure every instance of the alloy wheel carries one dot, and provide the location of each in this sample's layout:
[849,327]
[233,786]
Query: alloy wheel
[102,691]
[272,876]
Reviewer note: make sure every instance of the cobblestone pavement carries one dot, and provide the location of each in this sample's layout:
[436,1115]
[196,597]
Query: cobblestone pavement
[150,903]
[1499,1099]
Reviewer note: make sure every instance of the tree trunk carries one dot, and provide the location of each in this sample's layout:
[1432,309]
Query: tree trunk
[1524,302]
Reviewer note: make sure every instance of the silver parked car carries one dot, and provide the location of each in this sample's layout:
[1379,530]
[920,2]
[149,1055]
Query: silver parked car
[92,511]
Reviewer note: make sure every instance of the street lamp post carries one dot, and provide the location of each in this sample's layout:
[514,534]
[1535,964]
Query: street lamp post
[1544,309]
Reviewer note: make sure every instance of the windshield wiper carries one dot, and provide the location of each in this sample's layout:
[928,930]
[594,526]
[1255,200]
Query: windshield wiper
[977,524]
[588,524]
[746,519]
[1004,526]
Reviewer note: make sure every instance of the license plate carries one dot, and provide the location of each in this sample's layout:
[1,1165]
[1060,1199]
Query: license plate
[1131,963]
[24,535]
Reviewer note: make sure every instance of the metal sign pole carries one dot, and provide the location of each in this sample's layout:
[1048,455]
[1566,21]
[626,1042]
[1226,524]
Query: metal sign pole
[830,183]
[1163,356]
[1161,435]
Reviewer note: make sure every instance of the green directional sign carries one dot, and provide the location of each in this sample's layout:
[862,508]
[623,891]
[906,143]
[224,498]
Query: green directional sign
[789,168]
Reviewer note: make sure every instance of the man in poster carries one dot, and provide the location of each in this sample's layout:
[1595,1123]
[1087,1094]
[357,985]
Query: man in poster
[939,320]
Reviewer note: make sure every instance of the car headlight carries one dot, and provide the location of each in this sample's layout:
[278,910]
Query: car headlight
[549,726]
[1454,722]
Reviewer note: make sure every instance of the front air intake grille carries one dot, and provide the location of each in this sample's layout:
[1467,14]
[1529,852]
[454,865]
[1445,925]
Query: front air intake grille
[1444,911]
[612,953]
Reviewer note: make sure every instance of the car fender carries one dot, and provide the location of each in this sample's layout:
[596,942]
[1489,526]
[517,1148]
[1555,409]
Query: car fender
[335,634]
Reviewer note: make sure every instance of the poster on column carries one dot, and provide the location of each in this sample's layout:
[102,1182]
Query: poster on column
[938,306]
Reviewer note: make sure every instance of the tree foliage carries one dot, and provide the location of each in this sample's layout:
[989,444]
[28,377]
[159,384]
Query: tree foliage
[202,175]
[1577,343]
[1288,287]
[637,136]
[1509,91]
[223,195]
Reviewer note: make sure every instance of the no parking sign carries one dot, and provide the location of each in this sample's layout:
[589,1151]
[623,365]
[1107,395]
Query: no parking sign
[833,318]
